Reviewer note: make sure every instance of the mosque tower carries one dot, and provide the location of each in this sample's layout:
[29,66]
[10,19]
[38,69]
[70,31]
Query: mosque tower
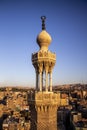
[44,60]
[44,102]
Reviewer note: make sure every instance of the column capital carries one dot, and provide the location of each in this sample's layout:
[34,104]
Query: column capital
[40,67]
[50,69]
[46,66]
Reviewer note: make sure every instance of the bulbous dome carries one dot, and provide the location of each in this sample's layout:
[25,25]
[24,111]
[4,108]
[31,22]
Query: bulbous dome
[44,40]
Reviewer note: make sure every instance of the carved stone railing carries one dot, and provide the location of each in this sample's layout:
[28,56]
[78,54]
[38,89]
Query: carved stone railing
[41,55]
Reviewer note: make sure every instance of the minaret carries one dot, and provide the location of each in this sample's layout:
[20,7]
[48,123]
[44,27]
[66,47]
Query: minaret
[44,60]
[45,102]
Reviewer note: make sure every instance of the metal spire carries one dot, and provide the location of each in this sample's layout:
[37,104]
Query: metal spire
[43,22]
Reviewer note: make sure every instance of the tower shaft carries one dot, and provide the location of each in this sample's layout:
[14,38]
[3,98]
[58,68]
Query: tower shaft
[44,110]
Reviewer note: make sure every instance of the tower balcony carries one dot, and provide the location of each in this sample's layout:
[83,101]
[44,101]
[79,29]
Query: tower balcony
[42,56]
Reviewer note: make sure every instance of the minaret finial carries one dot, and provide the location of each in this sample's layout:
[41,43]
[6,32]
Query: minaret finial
[43,22]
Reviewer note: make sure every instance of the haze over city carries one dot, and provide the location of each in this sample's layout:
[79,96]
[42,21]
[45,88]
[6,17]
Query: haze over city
[20,23]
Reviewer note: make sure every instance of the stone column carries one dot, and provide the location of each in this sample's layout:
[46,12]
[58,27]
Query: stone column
[36,80]
[40,75]
[40,80]
[46,75]
[50,79]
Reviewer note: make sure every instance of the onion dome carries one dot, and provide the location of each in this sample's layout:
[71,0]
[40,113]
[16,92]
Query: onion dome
[44,39]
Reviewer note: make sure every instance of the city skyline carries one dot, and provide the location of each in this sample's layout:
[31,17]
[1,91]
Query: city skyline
[20,24]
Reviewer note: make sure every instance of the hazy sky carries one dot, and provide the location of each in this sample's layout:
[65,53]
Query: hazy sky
[20,24]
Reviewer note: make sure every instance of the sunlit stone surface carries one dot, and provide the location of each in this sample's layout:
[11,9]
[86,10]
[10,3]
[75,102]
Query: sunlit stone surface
[44,102]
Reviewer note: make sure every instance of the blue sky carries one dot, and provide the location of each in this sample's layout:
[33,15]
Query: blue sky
[20,24]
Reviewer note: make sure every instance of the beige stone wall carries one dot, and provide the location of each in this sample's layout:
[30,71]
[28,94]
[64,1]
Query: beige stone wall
[47,98]
[45,111]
